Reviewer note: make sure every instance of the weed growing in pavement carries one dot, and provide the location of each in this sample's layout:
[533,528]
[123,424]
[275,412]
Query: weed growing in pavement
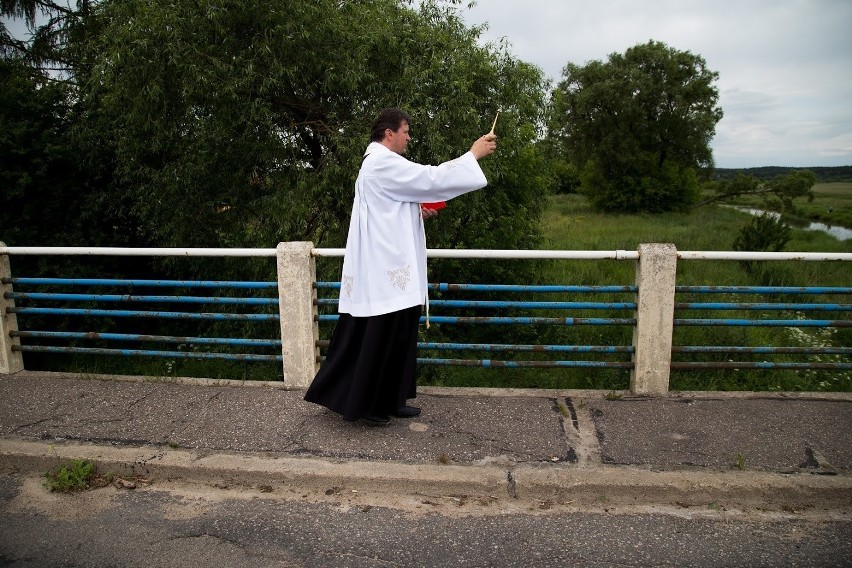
[77,475]
[739,461]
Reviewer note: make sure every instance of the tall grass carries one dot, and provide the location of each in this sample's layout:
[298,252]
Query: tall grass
[570,224]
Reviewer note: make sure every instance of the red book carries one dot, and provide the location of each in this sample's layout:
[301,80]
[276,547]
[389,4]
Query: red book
[436,206]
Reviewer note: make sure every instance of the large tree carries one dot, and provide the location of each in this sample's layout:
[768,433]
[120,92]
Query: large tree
[638,127]
[57,166]
[242,122]
[38,170]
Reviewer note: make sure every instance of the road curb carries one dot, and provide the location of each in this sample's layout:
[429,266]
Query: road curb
[588,487]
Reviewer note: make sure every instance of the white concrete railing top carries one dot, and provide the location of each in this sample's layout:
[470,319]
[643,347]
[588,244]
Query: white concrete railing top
[432,253]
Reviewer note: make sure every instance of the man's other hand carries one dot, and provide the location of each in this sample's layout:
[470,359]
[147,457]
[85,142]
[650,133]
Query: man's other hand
[484,146]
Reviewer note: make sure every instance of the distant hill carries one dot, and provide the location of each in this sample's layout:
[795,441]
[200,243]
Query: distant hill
[823,174]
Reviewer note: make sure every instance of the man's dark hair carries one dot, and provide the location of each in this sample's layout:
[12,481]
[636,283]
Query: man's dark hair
[389,118]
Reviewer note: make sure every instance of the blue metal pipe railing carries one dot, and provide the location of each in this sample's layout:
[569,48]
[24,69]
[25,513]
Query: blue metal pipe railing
[527,348]
[35,297]
[763,306]
[764,323]
[140,314]
[764,289]
[431,346]
[446,287]
[443,303]
[522,320]
[147,338]
[494,363]
[150,283]
[148,353]
[679,306]
[143,299]
[694,365]
[761,350]
[515,305]
[517,320]
[525,364]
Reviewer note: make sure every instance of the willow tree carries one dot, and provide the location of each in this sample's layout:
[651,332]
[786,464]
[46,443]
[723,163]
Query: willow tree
[242,122]
[638,127]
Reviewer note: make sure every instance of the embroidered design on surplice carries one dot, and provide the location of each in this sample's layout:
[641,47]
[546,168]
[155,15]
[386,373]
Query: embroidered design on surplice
[400,276]
[347,285]
[452,164]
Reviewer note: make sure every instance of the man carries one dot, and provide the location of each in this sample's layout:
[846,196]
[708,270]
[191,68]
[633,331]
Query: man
[369,371]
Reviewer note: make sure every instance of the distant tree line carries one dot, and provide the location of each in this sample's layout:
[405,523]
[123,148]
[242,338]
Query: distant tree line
[824,174]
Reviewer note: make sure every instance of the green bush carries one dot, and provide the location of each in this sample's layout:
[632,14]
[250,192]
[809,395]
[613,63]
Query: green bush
[78,475]
[766,232]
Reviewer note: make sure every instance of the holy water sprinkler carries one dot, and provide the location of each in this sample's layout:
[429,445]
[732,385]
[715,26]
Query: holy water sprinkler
[495,123]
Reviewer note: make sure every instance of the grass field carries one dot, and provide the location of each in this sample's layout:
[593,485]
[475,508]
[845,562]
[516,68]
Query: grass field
[570,224]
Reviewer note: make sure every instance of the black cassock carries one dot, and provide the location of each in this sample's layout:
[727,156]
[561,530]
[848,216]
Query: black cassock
[370,366]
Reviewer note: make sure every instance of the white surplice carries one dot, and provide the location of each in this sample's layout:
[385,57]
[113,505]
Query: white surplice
[384,269]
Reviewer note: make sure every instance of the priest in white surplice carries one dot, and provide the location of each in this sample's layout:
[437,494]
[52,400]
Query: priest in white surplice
[369,371]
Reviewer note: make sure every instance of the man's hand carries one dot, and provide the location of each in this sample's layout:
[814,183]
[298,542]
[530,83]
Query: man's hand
[426,212]
[484,146]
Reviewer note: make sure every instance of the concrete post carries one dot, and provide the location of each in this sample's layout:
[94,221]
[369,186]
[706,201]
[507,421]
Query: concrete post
[652,338]
[297,306]
[10,361]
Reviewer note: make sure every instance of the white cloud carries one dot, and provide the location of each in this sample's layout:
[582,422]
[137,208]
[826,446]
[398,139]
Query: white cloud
[785,66]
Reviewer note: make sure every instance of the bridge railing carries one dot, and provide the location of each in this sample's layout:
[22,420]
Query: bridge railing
[124,301]
[654,308]
[443,306]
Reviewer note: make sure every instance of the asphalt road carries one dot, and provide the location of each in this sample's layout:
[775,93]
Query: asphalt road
[252,475]
[168,524]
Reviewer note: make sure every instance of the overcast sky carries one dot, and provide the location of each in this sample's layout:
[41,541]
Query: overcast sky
[785,66]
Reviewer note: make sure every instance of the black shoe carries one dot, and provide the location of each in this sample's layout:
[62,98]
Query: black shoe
[407,412]
[377,419]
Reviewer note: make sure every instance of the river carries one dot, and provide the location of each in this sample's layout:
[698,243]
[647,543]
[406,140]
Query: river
[839,233]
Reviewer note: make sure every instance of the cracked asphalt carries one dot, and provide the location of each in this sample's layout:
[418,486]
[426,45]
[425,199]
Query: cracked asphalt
[184,529]
[251,473]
